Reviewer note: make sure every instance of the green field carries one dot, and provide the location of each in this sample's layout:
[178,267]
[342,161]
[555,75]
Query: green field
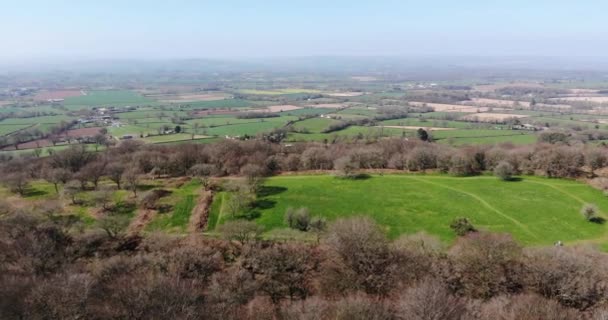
[536,211]
[106,98]
[315,125]
[7,129]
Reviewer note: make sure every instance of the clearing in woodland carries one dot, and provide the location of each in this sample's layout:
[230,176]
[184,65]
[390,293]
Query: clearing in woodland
[536,211]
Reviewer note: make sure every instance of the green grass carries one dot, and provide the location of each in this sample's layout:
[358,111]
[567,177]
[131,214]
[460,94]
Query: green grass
[7,129]
[216,209]
[536,211]
[45,150]
[308,111]
[169,138]
[251,128]
[106,98]
[36,120]
[184,200]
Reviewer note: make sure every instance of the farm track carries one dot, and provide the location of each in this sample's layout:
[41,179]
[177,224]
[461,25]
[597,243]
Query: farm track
[200,213]
[483,202]
[141,220]
[560,190]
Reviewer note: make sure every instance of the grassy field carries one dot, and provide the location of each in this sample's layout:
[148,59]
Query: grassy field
[535,211]
[7,129]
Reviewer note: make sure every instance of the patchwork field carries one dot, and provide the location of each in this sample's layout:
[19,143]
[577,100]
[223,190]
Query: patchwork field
[535,210]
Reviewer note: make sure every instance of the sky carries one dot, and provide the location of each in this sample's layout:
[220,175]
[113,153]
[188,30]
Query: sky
[184,29]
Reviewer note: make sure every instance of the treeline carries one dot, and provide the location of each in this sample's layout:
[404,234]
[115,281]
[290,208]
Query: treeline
[52,271]
[26,114]
[553,157]
[257,115]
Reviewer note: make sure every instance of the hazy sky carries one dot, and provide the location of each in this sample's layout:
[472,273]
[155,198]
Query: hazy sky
[264,28]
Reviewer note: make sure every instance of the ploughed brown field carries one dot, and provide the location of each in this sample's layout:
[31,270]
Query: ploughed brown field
[442,107]
[490,117]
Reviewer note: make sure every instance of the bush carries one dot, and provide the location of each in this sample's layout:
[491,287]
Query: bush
[462,226]
[504,171]
[590,212]
[149,199]
[298,219]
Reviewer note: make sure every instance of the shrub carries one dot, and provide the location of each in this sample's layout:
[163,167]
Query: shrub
[462,226]
[298,219]
[504,171]
[151,197]
[590,212]
[346,167]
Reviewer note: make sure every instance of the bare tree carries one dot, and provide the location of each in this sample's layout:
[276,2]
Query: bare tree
[70,190]
[241,230]
[17,182]
[115,172]
[430,300]
[131,177]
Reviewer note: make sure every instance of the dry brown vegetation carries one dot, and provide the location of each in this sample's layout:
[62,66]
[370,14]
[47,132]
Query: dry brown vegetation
[51,272]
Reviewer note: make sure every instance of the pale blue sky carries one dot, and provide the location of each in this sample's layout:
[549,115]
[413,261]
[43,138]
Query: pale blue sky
[216,29]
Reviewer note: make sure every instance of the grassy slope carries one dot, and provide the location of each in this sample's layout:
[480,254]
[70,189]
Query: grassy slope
[534,210]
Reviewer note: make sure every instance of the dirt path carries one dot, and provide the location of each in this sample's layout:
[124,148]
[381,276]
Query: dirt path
[200,213]
[141,220]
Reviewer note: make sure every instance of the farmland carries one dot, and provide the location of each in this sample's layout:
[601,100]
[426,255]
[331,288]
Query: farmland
[106,98]
[315,112]
[405,204]
[220,170]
